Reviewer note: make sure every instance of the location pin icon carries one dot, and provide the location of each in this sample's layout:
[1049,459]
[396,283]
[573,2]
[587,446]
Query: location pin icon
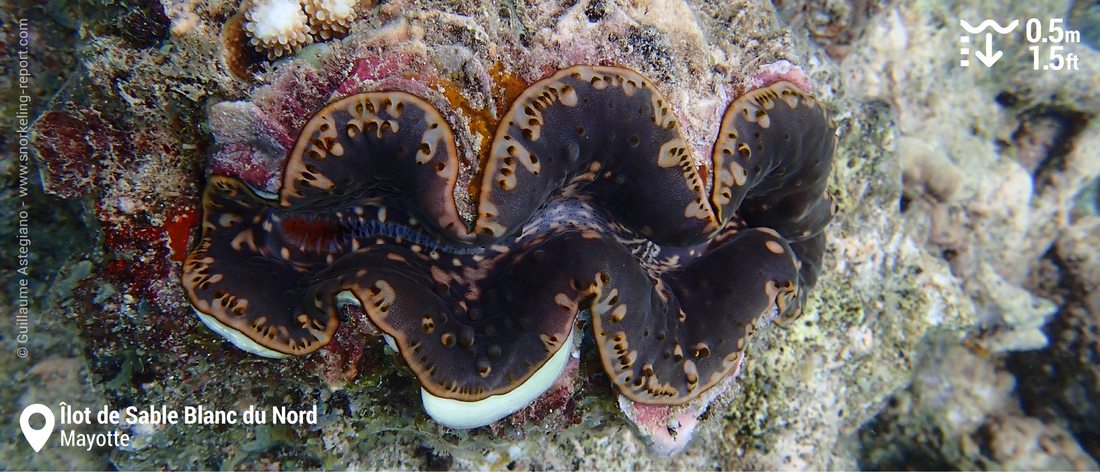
[36,437]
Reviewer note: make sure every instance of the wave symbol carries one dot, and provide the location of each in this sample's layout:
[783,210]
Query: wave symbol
[989,24]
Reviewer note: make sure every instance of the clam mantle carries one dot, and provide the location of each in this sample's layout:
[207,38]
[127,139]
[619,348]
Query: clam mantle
[589,201]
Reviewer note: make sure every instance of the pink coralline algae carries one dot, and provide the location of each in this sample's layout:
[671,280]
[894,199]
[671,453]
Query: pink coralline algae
[71,145]
[253,137]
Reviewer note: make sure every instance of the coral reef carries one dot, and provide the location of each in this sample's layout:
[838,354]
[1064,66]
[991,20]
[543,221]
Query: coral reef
[1061,383]
[993,201]
[960,412]
[1032,145]
[834,25]
[152,110]
[1084,16]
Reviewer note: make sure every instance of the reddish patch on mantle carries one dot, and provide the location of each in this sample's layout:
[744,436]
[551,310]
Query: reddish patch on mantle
[312,234]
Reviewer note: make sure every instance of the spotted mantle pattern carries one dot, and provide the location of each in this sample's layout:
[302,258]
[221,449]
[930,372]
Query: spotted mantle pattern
[589,201]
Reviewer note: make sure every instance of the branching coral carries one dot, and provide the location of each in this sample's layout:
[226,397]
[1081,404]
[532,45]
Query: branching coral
[590,200]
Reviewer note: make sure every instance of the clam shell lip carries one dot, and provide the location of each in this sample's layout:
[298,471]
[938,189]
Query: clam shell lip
[589,202]
[237,339]
[472,414]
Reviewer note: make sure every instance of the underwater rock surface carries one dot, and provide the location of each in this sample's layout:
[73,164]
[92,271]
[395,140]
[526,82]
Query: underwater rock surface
[942,221]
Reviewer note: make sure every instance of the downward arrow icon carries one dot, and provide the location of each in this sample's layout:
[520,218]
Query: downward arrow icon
[989,58]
